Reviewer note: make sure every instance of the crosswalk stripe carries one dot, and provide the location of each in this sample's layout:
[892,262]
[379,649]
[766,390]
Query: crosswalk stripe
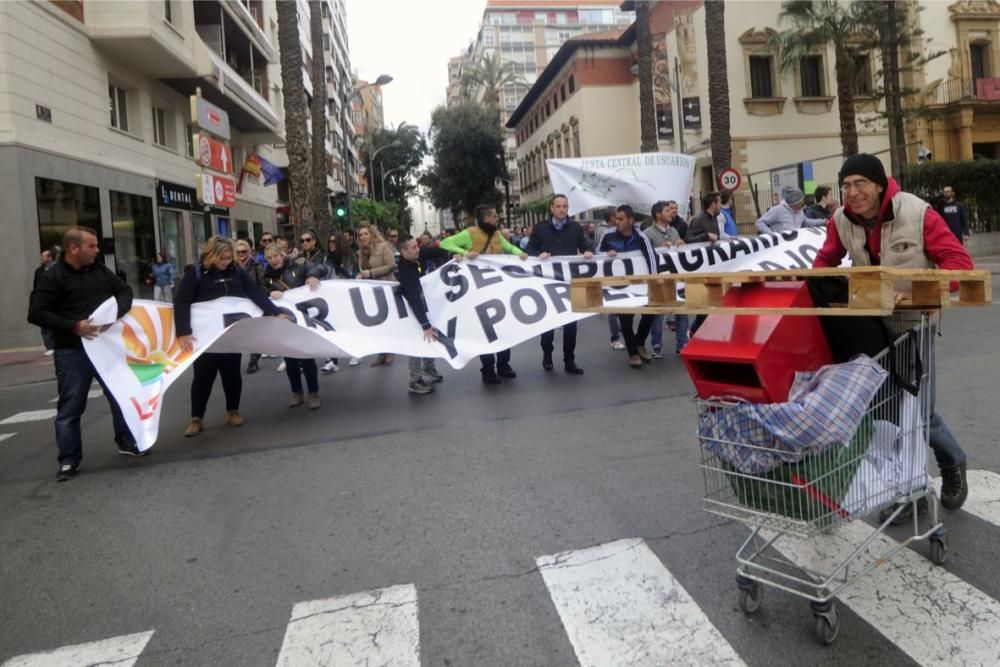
[929,613]
[620,605]
[93,393]
[378,627]
[30,416]
[119,651]
[984,495]
[4,436]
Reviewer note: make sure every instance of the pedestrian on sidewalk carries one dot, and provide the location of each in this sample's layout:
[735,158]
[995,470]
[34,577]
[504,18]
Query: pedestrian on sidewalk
[62,301]
[955,215]
[561,236]
[627,237]
[284,274]
[163,278]
[376,261]
[214,275]
[46,260]
[412,260]
[484,238]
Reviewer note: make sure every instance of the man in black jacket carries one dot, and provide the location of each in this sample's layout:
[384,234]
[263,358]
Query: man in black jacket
[412,260]
[62,300]
[560,235]
[705,225]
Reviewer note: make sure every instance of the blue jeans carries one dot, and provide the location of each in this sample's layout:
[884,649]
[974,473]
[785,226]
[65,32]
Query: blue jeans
[308,368]
[74,373]
[680,322]
[947,451]
[614,328]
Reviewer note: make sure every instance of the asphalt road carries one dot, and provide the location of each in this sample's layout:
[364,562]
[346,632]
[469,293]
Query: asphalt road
[210,542]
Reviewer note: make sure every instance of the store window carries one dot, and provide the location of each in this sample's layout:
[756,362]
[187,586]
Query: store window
[201,230]
[63,205]
[135,239]
[170,236]
[243,230]
[258,231]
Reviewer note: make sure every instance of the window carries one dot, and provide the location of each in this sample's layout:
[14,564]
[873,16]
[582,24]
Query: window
[168,10]
[119,108]
[326,41]
[979,59]
[811,76]
[560,18]
[63,205]
[562,92]
[541,17]
[489,38]
[572,84]
[189,140]
[562,36]
[159,127]
[760,76]
[135,238]
[862,75]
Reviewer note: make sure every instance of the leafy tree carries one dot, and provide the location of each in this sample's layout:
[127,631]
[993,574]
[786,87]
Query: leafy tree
[383,215]
[296,130]
[320,196]
[718,85]
[489,74]
[815,24]
[466,144]
[399,150]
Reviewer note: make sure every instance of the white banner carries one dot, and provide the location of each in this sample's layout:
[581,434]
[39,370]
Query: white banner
[638,180]
[484,306]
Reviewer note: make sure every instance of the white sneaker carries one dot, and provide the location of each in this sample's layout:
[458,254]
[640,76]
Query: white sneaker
[49,353]
[330,367]
[354,361]
[617,345]
[281,367]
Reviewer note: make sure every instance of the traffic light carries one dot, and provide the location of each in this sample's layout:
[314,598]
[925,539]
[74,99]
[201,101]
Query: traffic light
[340,208]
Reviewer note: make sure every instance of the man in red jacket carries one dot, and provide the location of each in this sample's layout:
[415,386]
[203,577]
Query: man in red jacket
[880,225]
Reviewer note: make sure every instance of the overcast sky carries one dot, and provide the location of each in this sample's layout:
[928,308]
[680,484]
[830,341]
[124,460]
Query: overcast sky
[411,40]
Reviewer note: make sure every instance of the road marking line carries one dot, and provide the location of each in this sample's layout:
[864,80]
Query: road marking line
[4,436]
[984,495]
[93,393]
[377,627]
[620,605]
[30,416]
[929,613]
[119,651]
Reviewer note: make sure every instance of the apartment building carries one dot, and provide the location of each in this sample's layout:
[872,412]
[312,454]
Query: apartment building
[95,128]
[528,34]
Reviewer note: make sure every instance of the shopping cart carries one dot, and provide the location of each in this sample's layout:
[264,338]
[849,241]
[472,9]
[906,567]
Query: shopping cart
[881,472]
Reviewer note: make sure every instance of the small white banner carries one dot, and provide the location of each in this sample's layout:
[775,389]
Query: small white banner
[638,180]
[479,307]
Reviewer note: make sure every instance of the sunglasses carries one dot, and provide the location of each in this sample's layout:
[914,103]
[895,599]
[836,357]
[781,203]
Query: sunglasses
[242,252]
[266,241]
[306,240]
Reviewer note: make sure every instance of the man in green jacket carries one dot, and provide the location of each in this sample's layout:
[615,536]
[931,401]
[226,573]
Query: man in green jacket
[485,239]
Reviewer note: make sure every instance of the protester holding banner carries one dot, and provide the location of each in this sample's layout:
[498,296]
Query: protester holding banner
[376,260]
[62,301]
[485,239]
[627,237]
[283,274]
[705,225]
[215,275]
[662,234]
[412,260]
[562,236]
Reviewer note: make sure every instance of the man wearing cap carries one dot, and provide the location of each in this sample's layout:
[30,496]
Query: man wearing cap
[788,214]
[880,225]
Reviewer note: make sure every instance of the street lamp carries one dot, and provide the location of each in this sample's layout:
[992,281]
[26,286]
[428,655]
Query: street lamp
[386,173]
[371,166]
[382,80]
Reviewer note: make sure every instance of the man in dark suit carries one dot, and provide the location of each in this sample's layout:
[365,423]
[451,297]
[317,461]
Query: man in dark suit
[560,235]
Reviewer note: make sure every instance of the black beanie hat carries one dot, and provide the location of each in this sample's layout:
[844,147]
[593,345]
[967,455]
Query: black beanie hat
[865,165]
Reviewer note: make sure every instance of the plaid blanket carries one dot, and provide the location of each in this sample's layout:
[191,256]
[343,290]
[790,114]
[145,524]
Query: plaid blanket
[824,408]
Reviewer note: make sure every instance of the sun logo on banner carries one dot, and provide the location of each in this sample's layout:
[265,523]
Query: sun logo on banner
[152,345]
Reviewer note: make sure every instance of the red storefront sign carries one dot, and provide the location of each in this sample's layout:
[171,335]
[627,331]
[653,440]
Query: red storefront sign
[215,155]
[217,190]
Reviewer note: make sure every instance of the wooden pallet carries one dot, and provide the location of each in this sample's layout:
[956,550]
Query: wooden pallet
[871,290]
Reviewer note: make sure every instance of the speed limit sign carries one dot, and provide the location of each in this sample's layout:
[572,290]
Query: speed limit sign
[730,179]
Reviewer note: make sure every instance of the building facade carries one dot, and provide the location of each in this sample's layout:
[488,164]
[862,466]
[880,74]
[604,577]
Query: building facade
[96,130]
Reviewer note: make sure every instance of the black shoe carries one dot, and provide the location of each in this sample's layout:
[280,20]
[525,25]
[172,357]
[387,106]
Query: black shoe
[954,487]
[547,361]
[906,514]
[506,372]
[573,369]
[252,367]
[131,450]
[490,376]
[67,472]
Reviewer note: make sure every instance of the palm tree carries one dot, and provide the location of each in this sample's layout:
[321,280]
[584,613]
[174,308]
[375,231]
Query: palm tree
[718,85]
[294,96]
[490,74]
[815,24]
[647,105]
[320,198]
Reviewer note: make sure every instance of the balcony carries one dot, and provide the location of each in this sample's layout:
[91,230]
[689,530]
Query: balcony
[142,35]
[983,90]
[231,70]
[249,14]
